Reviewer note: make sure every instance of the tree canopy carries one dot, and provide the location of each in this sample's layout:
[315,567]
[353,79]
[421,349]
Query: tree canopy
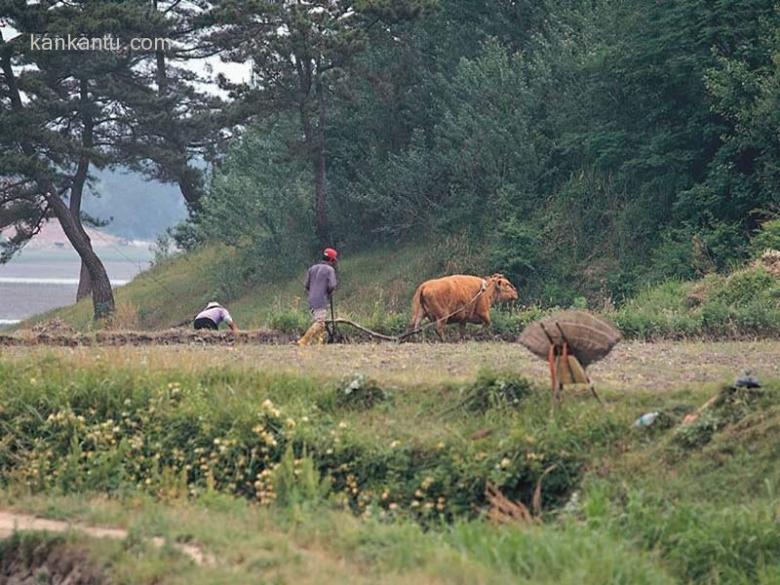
[583,148]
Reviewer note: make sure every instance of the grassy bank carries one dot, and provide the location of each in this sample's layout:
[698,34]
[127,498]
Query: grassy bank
[276,474]
[743,303]
[376,290]
[374,286]
[242,432]
[321,546]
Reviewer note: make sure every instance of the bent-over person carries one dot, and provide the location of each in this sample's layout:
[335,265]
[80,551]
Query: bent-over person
[212,316]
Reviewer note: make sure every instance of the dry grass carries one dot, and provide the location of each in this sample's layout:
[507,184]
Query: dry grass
[636,365]
[124,318]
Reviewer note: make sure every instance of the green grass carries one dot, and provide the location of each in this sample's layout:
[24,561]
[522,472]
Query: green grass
[744,304]
[386,484]
[323,546]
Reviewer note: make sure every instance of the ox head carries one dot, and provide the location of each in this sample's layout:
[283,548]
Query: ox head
[504,290]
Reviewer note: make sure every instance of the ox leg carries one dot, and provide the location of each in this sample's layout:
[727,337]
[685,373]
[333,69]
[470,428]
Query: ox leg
[462,330]
[440,329]
[485,324]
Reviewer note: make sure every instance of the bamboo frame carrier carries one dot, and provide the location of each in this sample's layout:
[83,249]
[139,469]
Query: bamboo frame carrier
[570,341]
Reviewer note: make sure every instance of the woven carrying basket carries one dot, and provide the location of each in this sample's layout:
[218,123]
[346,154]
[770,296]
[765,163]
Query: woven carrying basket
[590,338]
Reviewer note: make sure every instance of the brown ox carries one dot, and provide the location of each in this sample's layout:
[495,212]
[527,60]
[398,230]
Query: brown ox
[459,299]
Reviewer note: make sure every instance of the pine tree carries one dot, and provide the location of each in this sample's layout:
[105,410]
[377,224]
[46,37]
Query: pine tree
[301,51]
[172,123]
[52,131]
[66,112]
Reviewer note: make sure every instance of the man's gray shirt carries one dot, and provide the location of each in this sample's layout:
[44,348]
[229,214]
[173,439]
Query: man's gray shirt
[320,282]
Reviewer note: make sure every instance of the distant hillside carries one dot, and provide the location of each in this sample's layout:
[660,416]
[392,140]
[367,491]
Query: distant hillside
[137,209]
[52,238]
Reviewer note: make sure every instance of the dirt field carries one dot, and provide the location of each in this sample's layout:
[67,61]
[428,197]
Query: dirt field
[64,336]
[631,365]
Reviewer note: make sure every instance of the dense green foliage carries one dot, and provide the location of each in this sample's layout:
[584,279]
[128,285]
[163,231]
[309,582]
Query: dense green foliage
[581,148]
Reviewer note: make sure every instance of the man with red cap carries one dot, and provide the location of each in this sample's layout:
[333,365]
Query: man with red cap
[320,283]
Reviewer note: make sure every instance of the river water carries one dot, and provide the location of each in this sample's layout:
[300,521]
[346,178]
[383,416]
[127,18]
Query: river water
[39,281]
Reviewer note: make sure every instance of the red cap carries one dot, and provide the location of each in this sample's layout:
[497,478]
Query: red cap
[330,254]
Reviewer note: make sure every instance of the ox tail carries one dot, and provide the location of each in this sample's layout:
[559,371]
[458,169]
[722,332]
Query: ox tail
[417,309]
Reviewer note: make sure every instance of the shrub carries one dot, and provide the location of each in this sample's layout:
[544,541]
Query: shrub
[509,323]
[289,321]
[744,287]
[768,238]
[358,393]
[492,390]
[383,321]
[295,481]
[731,405]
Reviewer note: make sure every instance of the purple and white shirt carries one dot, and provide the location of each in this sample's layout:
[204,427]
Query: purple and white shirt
[216,314]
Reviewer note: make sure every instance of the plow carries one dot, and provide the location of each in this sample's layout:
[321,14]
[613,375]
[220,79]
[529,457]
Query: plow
[334,336]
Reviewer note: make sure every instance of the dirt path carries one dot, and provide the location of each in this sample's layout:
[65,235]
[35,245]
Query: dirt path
[657,366]
[11,522]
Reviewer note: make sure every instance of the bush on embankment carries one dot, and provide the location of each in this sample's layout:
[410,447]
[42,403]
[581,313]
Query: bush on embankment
[239,432]
[743,304]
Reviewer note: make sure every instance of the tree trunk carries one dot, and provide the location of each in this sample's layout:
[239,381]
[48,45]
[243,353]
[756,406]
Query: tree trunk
[102,295]
[320,180]
[314,140]
[80,178]
[85,283]
[191,186]
[189,179]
